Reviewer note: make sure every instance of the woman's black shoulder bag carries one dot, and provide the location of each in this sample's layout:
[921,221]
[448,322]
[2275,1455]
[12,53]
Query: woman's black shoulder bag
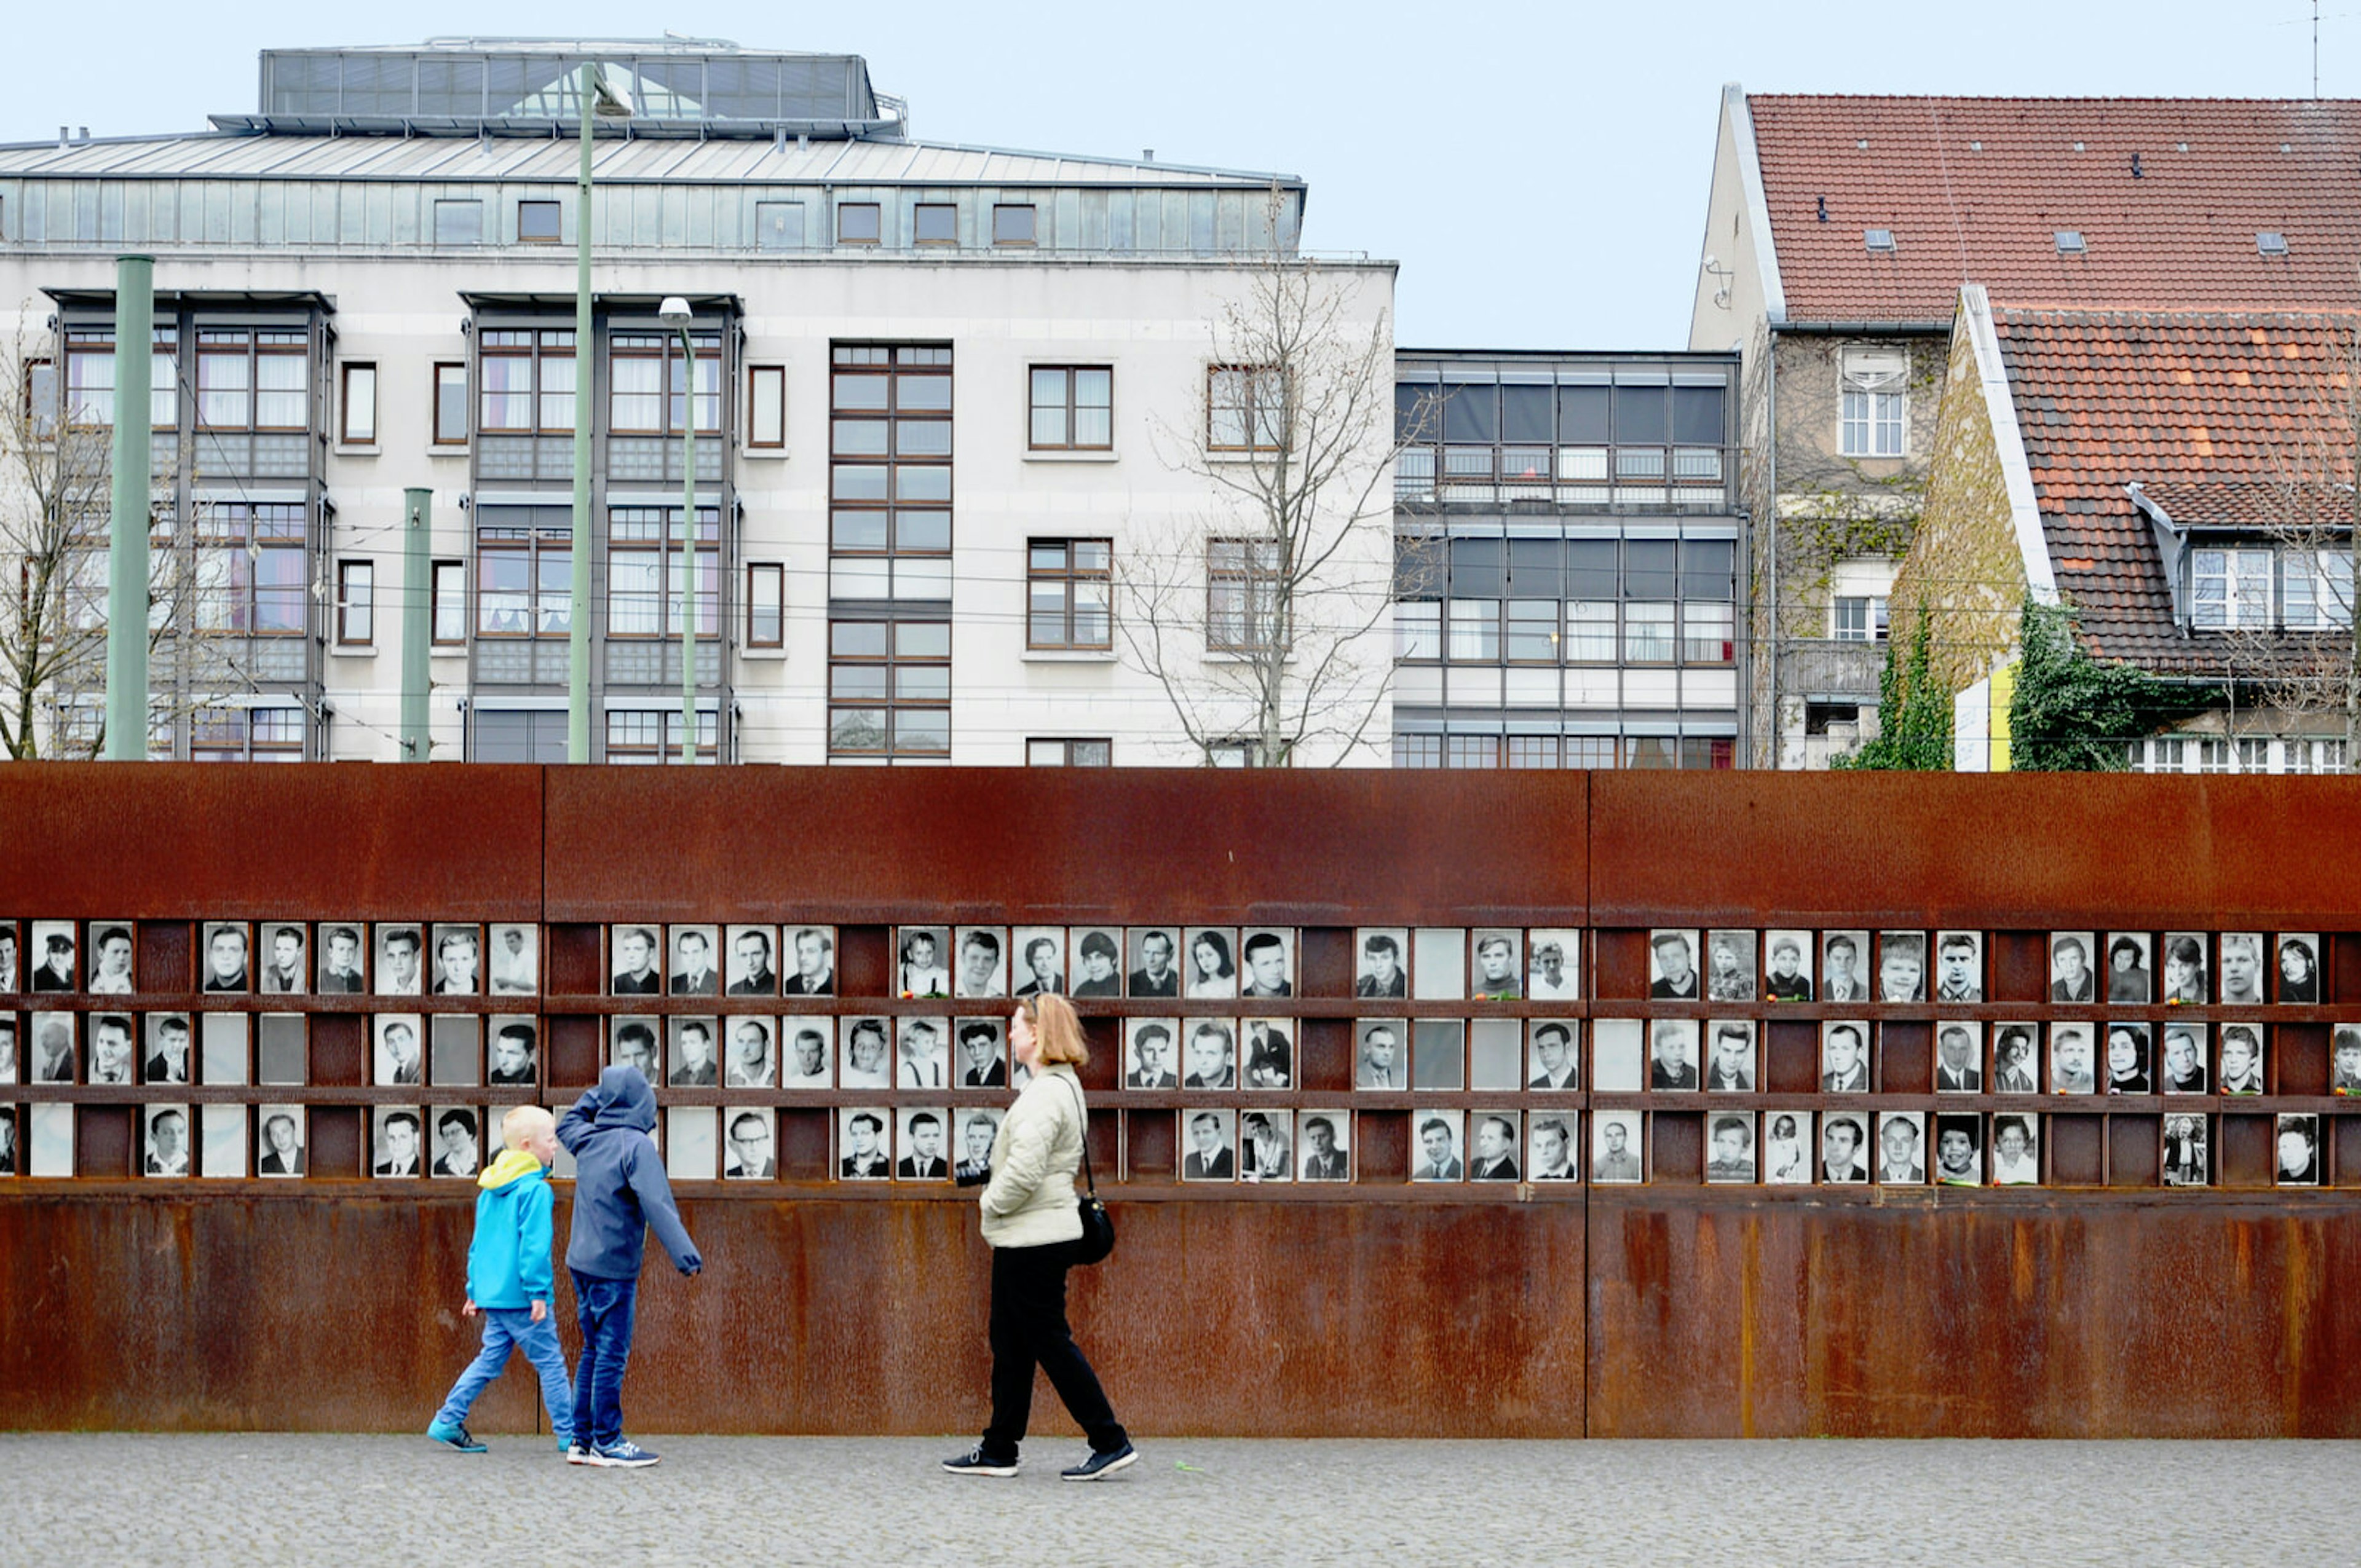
[1098,1225]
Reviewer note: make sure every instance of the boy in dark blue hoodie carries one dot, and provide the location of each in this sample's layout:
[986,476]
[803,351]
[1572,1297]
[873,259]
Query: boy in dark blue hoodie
[508,1279]
[619,1191]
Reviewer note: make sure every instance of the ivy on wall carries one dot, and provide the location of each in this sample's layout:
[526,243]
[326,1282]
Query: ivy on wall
[1914,712]
[2072,712]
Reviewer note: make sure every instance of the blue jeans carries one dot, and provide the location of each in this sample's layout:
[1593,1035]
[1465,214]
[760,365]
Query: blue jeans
[604,1307]
[508,1329]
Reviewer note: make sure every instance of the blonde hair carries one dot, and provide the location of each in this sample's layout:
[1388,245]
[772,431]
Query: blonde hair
[1058,1031]
[522,1121]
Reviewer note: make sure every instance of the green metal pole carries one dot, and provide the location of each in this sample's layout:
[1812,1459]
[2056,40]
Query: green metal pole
[127,529]
[688,556]
[417,619]
[577,642]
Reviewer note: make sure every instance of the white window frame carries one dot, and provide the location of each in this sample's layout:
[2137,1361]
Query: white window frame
[1866,625]
[2240,581]
[1873,410]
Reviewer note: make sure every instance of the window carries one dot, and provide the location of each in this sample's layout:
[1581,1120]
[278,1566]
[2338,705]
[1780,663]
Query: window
[450,606]
[2316,589]
[40,412]
[450,404]
[1590,750]
[528,381]
[1242,586]
[766,605]
[246,735]
[538,221]
[355,601]
[1012,224]
[524,571]
[644,547]
[1590,631]
[253,380]
[890,472]
[935,223]
[1068,584]
[1475,627]
[2232,588]
[1471,750]
[1707,632]
[766,407]
[889,688]
[1532,632]
[1533,750]
[652,736]
[648,382]
[778,226]
[1418,630]
[1648,633]
[458,223]
[1718,752]
[359,403]
[90,378]
[1069,753]
[859,223]
[1418,750]
[1245,409]
[1859,618]
[249,568]
[1871,416]
[1073,408]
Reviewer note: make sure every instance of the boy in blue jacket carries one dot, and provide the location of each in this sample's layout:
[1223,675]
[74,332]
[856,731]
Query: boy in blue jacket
[508,1279]
[619,1191]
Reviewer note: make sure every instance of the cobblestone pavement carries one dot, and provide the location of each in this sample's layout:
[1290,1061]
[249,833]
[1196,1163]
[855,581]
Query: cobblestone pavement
[257,1499]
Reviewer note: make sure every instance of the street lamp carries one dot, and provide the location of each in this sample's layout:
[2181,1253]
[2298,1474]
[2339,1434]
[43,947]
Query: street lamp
[675,312]
[598,102]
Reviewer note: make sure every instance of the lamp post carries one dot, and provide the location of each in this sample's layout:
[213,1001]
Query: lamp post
[598,102]
[676,313]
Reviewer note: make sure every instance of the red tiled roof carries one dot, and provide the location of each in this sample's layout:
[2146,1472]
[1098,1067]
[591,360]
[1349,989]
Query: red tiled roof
[2183,404]
[2291,500]
[1976,190]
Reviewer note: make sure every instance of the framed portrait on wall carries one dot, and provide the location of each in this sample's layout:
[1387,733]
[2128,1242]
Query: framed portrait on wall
[1153,961]
[1554,1054]
[1902,966]
[1787,966]
[110,957]
[695,962]
[1552,1149]
[924,1137]
[983,961]
[1958,1148]
[458,960]
[1730,966]
[1729,1066]
[2127,1058]
[401,948]
[514,965]
[55,957]
[2128,972]
[1212,1054]
[2188,1157]
[228,958]
[812,948]
[2299,968]
[2242,1058]
[1958,1057]
[1437,1155]
[631,1042]
[1672,966]
[1672,1054]
[2073,970]
[1098,960]
[748,1144]
[400,1053]
[2072,1060]
[1383,1058]
[1267,1146]
[281,1140]
[2183,1061]
[1492,1146]
[395,1143]
[1729,1147]
[113,1053]
[978,1051]
[2243,969]
[1266,961]
[1206,1134]
[752,1064]
[459,1147]
[166,1151]
[1326,1147]
[1616,1154]
[806,1059]
[2015,1150]
[1553,967]
[1958,965]
[1040,953]
[921,961]
[692,1055]
[1844,966]
[1148,1053]
[2298,1163]
[1787,1157]
[1498,967]
[863,1154]
[1901,1148]
[751,968]
[2188,981]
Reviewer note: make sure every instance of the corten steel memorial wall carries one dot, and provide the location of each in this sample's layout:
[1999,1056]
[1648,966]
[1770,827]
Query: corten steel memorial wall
[1429,1104]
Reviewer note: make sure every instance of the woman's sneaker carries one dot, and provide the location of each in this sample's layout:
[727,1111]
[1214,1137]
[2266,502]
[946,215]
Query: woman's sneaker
[622,1454]
[974,1461]
[451,1435]
[1099,1466]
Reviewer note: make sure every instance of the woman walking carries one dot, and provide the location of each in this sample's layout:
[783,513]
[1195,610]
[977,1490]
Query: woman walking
[1031,1224]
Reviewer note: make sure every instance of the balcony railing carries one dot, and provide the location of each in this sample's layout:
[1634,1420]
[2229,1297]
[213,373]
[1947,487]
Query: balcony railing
[1821,669]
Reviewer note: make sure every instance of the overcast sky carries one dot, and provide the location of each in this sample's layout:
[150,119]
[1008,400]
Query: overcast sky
[1538,170]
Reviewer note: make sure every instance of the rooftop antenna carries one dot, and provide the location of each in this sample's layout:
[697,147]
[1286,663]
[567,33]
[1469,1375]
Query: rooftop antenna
[2315,47]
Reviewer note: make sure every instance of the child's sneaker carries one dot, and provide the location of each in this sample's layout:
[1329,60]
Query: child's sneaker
[454,1436]
[622,1454]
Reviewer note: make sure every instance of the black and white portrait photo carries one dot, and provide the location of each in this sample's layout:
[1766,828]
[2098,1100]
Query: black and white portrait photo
[2299,968]
[1958,1057]
[635,957]
[978,1051]
[344,960]
[1553,1057]
[1550,1153]
[922,958]
[2127,1058]
[1553,967]
[1729,1060]
[696,968]
[395,1144]
[1844,1148]
[168,1140]
[692,1054]
[2073,968]
[813,948]
[286,959]
[1269,1049]
[753,965]
[115,1049]
[922,1054]
[983,961]
[1672,966]
[1325,1149]
[1787,1157]
[1492,1146]
[1729,1147]
[2073,1059]
[1098,960]
[1787,966]
[2344,1058]
[2298,1163]
[2187,981]
[631,1042]
[168,1049]
[2242,1059]
[1211,1059]
[2242,969]
[868,1055]
[1211,1155]
[1381,963]
[1615,1150]
[924,1137]
[1153,961]
[2015,1151]
[1267,1146]
[1497,966]
[1267,962]
[1958,965]
[1040,955]
[110,957]
[747,1149]
[1672,1054]
[12,960]
[2182,1063]
[1436,1156]
[50,1056]
[514,967]
[1844,966]
[2188,1151]
[229,958]
[458,961]
[55,960]
[1902,966]
[1844,1056]
[1382,1053]
[977,1127]
[1210,972]
[1730,966]
[280,1140]
[2127,966]
[1958,1148]
[8,1068]
[808,1057]
[1901,1148]
[399,958]
[862,1154]
[1148,1053]
[751,1063]
[516,1053]
[2016,1058]
[458,1151]
[401,1049]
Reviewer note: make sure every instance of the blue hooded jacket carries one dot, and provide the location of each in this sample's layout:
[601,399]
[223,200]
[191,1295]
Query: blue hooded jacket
[508,1263]
[620,1190]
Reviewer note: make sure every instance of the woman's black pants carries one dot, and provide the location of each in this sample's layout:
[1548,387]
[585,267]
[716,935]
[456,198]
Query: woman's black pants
[1029,1329]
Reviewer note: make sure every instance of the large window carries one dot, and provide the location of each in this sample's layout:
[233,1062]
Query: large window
[1245,408]
[253,380]
[2230,589]
[1241,584]
[644,547]
[651,736]
[246,735]
[249,568]
[1535,599]
[890,472]
[1875,393]
[524,571]
[889,688]
[649,384]
[90,378]
[528,382]
[1073,408]
[1067,584]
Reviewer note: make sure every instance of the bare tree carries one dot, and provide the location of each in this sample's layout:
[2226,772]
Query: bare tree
[1266,620]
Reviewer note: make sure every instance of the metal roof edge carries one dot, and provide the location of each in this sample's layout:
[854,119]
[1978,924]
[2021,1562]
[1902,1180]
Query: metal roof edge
[2008,442]
[1740,114]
